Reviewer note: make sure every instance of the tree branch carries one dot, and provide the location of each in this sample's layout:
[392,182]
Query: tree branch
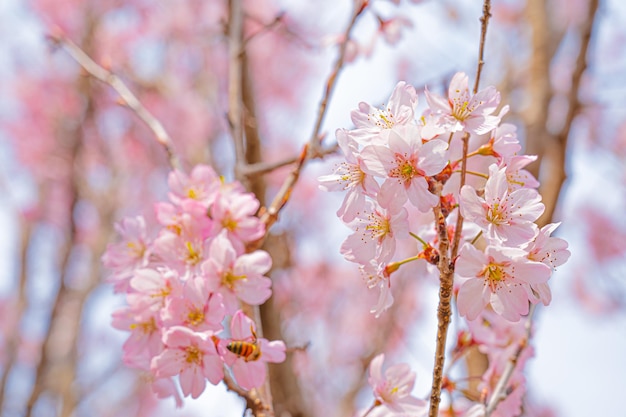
[128,98]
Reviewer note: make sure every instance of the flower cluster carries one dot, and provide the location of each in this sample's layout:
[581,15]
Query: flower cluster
[185,283]
[398,165]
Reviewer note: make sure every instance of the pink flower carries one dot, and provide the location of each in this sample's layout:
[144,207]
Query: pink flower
[189,218]
[154,286]
[166,387]
[463,111]
[182,245]
[506,216]
[504,142]
[376,231]
[201,185]
[196,309]
[404,165]
[144,341]
[393,390]
[370,122]
[551,251]
[391,29]
[350,176]
[375,277]
[498,276]
[129,254]
[237,277]
[190,355]
[518,177]
[235,212]
[247,355]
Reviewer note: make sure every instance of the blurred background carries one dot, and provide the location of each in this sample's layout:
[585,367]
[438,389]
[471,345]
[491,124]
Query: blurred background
[73,161]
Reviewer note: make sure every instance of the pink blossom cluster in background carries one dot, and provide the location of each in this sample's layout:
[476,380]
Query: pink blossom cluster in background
[398,162]
[184,283]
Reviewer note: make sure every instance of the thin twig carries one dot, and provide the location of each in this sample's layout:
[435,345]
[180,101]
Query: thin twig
[311,148]
[128,98]
[253,402]
[261,168]
[499,392]
[332,80]
[484,22]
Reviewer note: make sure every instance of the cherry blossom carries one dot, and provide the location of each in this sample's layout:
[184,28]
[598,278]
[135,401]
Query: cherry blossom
[506,216]
[237,277]
[404,164]
[201,185]
[190,355]
[235,212]
[131,253]
[517,176]
[553,252]
[350,176]
[463,111]
[392,390]
[196,308]
[371,122]
[376,230]
[499,277]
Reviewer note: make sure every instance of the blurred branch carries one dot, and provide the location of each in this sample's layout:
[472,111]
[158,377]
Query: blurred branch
[13,338]
[539,87]
[235,107]
[499,392]
[553,179]
[312,147]
[128,98]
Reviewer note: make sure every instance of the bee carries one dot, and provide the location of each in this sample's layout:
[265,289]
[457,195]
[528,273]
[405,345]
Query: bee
[249,351]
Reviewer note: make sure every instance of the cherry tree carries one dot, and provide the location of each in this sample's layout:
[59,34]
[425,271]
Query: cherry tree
[212,203]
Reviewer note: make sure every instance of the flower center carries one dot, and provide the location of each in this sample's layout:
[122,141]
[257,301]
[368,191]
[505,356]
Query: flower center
[352,175]
[193,355]
[229,280]
[229,224]
[195,317]
[497,214]
[146,327]
[193,256]
[406,168]
[378,226]
[384,119]
[192,193]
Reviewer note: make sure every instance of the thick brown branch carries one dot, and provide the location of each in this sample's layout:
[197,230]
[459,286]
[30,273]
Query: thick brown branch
[444,311]
[235,71]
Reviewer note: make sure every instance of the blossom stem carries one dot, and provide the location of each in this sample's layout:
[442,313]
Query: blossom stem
[419,239]
[407,260]
[369,410]
[476,238]
[478,174]
[469,155]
